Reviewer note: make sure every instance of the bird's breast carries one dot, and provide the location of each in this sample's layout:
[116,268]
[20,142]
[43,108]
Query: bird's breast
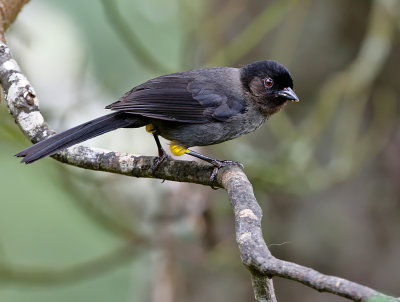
[210,133]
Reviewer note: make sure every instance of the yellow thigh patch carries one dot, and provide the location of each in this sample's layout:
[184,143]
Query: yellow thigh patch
[178,150]
[151,128]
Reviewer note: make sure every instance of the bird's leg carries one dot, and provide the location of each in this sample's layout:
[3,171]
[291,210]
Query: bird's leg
[162,155]
[215,162]
[179,150]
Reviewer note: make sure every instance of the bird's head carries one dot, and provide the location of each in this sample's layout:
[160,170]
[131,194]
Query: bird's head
[269,84]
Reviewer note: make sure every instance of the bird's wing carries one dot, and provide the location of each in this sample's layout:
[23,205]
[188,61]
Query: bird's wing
[180,99]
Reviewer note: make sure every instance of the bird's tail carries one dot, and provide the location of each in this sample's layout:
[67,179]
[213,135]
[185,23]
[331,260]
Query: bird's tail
[79,134]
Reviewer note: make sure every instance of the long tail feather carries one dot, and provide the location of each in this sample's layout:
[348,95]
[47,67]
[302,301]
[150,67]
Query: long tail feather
[79,134]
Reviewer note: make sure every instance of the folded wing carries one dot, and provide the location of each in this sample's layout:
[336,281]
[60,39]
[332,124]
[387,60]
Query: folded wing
[181,99]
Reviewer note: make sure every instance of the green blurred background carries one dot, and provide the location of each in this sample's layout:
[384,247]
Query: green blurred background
[325,171]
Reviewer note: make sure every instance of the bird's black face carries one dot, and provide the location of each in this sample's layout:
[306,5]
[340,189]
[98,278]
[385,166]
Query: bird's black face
[269,84]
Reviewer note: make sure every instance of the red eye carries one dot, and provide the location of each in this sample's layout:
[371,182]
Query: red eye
[268,82]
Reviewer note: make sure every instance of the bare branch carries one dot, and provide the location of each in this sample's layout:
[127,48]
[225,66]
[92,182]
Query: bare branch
[23,104]
[263,288]
[255,255]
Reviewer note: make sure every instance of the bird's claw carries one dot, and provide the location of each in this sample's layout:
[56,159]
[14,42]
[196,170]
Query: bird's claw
[218,164]
[158,161]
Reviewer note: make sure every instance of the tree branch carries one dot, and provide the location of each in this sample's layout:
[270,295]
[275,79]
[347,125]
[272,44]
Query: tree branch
[24,107]
[255,255]
[9,10]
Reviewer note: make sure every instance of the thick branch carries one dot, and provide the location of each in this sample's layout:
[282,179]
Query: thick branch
[23,105]
[256,256]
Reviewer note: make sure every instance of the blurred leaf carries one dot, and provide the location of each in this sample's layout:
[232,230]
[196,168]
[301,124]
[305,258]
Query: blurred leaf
[381,299]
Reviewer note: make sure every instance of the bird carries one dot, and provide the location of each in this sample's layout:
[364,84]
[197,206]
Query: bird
[193,108]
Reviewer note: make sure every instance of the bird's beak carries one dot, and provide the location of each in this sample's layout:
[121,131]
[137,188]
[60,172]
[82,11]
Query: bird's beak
[288,94]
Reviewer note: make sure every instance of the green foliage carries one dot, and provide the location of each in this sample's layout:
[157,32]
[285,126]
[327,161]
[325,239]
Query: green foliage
[381,299]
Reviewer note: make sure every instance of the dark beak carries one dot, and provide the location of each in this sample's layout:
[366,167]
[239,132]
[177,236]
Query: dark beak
[288,94]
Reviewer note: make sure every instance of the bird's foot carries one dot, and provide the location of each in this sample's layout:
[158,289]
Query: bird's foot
[218,164]
[162,155]
[158,161]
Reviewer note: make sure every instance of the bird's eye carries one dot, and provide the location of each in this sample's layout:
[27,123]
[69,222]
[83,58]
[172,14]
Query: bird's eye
[268,82]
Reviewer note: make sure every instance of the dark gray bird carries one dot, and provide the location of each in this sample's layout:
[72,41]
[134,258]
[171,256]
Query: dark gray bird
[193,108]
